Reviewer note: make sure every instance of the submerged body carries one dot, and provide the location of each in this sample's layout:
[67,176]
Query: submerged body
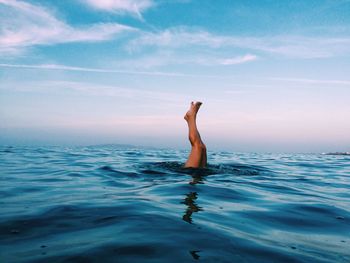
[198,154]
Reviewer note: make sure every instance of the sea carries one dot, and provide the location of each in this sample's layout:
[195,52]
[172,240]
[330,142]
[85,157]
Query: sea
[115,203]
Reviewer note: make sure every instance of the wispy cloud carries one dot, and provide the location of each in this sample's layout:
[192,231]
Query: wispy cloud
[238,60]
[176,37]
[314,81]
[30,25]
[96,90]
[98,70]
[282,45]
[219,60]
[179,57]
[136,100]
[135,7]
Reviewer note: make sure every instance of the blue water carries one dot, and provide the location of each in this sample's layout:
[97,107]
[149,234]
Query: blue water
[129,204]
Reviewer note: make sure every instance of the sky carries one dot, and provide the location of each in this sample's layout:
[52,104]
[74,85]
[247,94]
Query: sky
[273,76]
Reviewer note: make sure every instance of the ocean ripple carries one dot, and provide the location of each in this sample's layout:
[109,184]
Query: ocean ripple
[131,204]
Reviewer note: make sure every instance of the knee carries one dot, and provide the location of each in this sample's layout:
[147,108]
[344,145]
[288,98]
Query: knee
[201,146]
[192,139]
[196,142]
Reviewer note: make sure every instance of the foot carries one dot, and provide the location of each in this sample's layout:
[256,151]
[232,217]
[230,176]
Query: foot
[192,112]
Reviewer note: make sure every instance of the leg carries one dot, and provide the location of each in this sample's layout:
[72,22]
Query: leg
[198,155]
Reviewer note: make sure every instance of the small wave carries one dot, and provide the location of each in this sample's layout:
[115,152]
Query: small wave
[153,172]
[211,169]
[114,172]
[107,203]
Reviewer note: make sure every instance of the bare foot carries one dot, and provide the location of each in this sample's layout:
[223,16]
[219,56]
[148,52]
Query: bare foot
[192,112]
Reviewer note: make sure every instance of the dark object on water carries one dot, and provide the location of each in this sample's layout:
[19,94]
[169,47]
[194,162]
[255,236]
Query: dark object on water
[194,254]
[338,153]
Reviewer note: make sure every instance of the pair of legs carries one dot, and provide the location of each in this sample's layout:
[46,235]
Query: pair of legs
[198,155]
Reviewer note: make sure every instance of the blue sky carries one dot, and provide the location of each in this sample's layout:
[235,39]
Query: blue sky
[274,76]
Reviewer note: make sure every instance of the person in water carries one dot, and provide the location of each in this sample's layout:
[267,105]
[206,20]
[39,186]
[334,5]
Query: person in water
[198,154]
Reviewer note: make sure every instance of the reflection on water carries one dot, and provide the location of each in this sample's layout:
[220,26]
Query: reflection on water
[115,204]
[196,179]
[192,207]
[194,254]
[191,197]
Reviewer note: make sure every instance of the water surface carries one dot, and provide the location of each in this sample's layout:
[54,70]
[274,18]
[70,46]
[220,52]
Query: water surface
[130,204]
